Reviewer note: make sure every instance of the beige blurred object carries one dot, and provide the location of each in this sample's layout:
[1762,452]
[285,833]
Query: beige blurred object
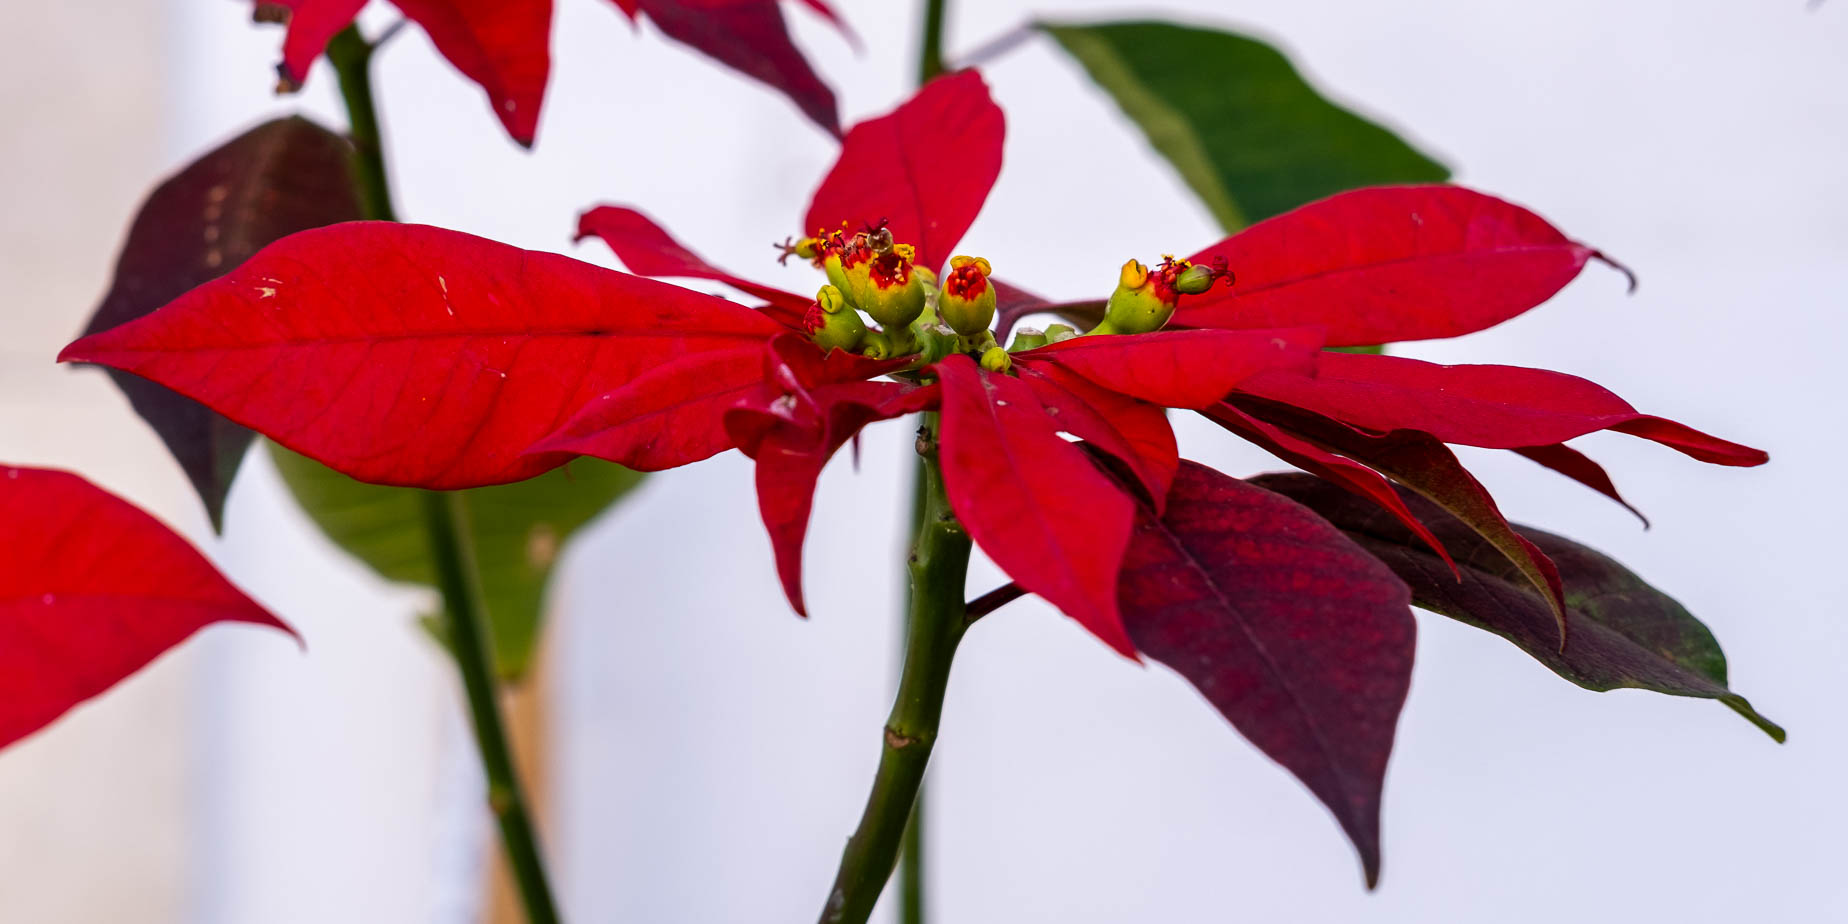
[93,808]
[527,712]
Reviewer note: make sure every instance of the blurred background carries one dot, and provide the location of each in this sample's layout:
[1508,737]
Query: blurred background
[709,752]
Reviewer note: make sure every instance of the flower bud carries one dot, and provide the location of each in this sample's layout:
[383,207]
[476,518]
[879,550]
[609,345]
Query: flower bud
[832,323]
[876,276]
[1027,338]
[997,360]
[967,301]
[1056,333]
[1145,299]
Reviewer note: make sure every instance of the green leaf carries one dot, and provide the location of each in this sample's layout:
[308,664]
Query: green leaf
[518,530]
[1232,114]
[1624,633]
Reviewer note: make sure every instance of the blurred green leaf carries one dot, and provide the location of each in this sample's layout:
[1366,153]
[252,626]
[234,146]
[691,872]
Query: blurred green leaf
[1246,132]
[518,531]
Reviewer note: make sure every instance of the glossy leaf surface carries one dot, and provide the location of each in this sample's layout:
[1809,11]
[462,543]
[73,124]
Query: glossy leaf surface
[1499,407]
[403,354]
[1034,502]
[1389,263]
[91,590]
[518,531]
[1625,633]
[1231,114]
[1135,432]
[502,45]
[924,169]
[1181,368]
[278,178]
[1295,634]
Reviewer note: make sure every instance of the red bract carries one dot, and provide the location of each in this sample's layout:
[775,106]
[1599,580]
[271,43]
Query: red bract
[402,354]
[92,589]
[431,358]
[504,45]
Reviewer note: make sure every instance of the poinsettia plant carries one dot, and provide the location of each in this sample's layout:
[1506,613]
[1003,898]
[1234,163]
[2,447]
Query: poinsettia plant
[412,357]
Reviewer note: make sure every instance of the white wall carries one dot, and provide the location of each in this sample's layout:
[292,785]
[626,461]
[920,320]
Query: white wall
[716,749]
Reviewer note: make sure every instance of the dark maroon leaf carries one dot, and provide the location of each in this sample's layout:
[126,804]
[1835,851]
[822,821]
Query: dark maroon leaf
[751,37]
[1417,460]
[272,181]
[1293,632]
[1625,633]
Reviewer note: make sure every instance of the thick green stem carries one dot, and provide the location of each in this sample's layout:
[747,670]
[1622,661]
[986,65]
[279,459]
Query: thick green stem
[930,51]
[939,565]
[452,553]
[458,577]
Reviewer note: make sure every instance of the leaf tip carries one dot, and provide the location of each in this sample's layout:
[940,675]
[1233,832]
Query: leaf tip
[1628,274]
[1738,704]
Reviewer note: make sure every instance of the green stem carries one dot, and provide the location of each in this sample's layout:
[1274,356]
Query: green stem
[930,52]
[458,577]
[939,566]
[451,551]
[351,56]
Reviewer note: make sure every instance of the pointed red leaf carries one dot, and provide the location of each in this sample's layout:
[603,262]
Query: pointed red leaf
[312,24]
[1578,467]
[925,168]
[669,416]
[403,354]
[1498,407]
[92,589]
[1034,502]
[1193,369]
[503,46]
[1389,263]
[647,250]
[1418,461]
[278,178]
[1301,639]
[827,12]
[750,37]
[792,441]
[1135,432]
[1323,464]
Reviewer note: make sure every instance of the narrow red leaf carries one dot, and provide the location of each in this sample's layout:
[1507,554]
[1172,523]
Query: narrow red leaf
[1301,639]
[827,12]
[647,250]
[1580,468]
[1418,461]
[1192,369]
[807,408]
[1031,500]
[925,169]
[92,589]
[283,176]
[750,37]
[1317,461]
[1135,432]
[403,354]
[1498,407]
[503,46]
[1389,263]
